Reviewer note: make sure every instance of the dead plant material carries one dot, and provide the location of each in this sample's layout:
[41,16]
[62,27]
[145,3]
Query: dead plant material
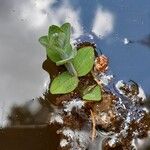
[101,64]
[94,74]
[93,125]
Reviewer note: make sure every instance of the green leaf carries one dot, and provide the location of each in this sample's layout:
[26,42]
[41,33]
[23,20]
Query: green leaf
[69,58]
[58,46]
[54,29]
[54,51]
[84,60]
[58,49]
[68,49]
[71,68]
[53,55]
[63,83]
[44,41]
[66,27]
[57,39]
[94,94]
[88,89]
[61,40]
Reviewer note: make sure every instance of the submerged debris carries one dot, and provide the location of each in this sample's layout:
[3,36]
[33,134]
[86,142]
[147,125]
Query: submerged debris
[118,119]
[74,139]
[74,103]
[88,104]
[63,143]
[94,125]
[101,64]
[56,117]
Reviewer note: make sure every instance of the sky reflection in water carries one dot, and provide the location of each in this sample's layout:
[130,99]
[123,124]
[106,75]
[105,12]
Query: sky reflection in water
[105,22]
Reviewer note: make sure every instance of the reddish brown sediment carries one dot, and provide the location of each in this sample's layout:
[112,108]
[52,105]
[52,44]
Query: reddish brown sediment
[121,115]
[101,64]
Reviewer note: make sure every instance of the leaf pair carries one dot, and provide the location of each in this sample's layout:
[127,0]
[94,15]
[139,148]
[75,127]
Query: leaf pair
[65,83]
[83,63]
[78,63]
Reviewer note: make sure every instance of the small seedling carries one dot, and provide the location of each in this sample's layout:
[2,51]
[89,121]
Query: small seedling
[78,63]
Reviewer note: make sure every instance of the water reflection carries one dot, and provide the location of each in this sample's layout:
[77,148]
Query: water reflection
[24,115]
[21,56]
[103,23]
[144,41]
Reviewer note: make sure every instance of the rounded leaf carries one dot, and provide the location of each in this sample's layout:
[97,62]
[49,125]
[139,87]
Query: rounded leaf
[69,57]
[63,83]
[94,94]
[53,29]
[66,27]
[43,40]
[53,55]
[84,60]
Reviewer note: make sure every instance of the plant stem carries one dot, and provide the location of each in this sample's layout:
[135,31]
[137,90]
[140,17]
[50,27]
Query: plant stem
[71,68]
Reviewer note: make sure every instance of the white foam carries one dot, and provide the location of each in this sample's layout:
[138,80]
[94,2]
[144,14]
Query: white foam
[56,117]
[118,85]
[77,139]
[91,36]
[68,133]
[141,93]
[75,103]
[112,141]
[64,143]
[126,41]
[105,79]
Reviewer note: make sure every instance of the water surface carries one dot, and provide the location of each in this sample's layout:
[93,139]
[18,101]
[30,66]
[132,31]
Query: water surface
[107,23]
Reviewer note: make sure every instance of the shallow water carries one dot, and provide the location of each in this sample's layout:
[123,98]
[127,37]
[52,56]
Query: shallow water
[108,24]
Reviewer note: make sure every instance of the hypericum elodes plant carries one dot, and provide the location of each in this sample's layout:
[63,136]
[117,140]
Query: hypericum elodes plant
[78,63]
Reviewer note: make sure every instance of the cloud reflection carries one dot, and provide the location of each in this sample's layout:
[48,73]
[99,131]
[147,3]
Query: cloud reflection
[103,23]
[21,56]
[41,13]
